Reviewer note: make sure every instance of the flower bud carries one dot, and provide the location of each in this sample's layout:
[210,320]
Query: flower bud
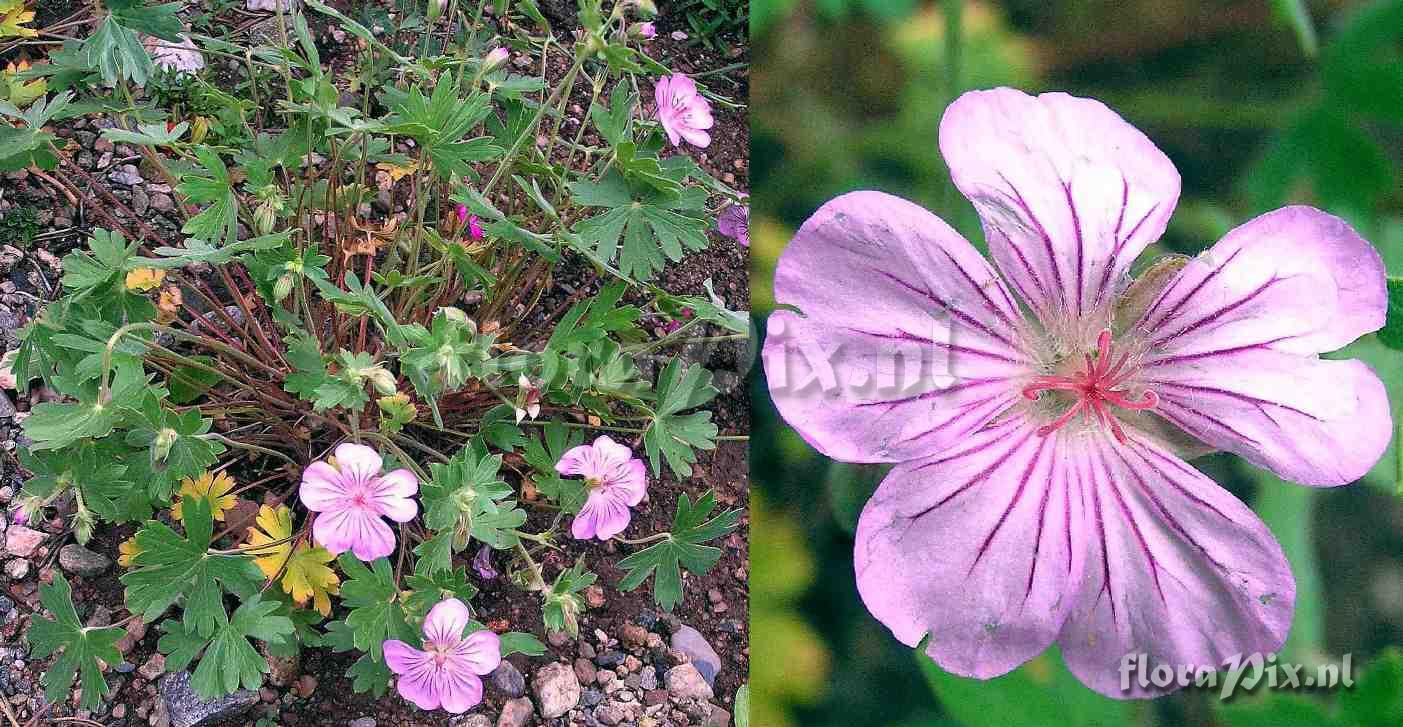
[495,58]
[642,31]
[382,380]
[283,287]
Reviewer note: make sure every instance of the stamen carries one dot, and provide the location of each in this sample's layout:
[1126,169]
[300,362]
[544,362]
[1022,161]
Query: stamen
[1095,388]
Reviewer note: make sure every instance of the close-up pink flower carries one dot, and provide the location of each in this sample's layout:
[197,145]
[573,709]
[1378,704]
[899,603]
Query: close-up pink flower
[683,112]
[352,497]
[448,672]
[1040,493]
[460,211]
[475,230]
[616,480]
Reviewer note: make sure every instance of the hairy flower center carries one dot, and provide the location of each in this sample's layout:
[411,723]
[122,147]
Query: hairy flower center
[1095,389]
[440,651]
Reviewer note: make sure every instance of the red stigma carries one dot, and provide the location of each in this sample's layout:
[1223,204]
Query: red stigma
[1095,389]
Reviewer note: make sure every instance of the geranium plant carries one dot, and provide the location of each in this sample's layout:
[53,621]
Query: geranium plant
[398,393]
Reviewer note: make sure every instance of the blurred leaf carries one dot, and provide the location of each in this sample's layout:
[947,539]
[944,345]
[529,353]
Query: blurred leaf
[1391,334]
[1296,15]
[1276,710]
[1377,697]
[849,487]
[1362,65]
[1039,692]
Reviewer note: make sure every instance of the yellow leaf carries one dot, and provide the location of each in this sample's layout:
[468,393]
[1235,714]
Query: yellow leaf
[397,172]
[168,304]
[22,93]
[214,488]
[145,279]
[12,17]
[305,573]
[129,550]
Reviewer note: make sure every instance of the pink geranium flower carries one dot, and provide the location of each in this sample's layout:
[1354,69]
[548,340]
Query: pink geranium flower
[461,212]
[1040,493]
[684,114]
[352,497]
[734,222]
[475,228]
[448,672]
[616,482]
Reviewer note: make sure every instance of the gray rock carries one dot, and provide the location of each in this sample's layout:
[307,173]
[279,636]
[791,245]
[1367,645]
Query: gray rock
[362,722]
[556,688]
[507,679]
[690,642]
[516,713]
[7,407]
[17,569]
[80,561]
[471,720]
[685,682]
[188,709]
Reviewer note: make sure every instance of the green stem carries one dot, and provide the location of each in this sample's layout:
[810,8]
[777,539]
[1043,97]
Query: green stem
[530,130]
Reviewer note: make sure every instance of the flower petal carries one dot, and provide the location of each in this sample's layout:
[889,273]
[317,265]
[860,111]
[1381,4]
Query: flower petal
[459,692]
[907,338]
[420,687]
[978,548]
[577,461]
[1176,568]
[1309,420]
[371,537]
[334,530]
[1069,193]
[1295,280]
[400,483]
[358,459]
[403,658]
[446,621]
[480,652]
[602,516]
[322,487]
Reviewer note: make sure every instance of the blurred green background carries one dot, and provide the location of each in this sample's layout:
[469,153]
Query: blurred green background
[1259,103]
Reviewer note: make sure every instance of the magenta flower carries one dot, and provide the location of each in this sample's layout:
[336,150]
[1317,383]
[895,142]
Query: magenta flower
[352,497]
[734,222]
[19,516]
[475,228]
[616,482]
[646,31]
[684,114]
[461,212]
[1040,493]
[448,672]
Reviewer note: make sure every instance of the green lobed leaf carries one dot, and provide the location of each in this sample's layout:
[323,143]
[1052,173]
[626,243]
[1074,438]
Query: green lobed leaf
[681,549]
[82,646]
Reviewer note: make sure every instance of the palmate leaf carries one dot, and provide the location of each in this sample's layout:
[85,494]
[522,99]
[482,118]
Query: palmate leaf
[440,122]
[54,425]
[82,646]
[542,454]
[116,52]
[674,435]
[377,612]
[172,567]
[211,185]
[681,549]
[229,659]
[642,225]
[304,570]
